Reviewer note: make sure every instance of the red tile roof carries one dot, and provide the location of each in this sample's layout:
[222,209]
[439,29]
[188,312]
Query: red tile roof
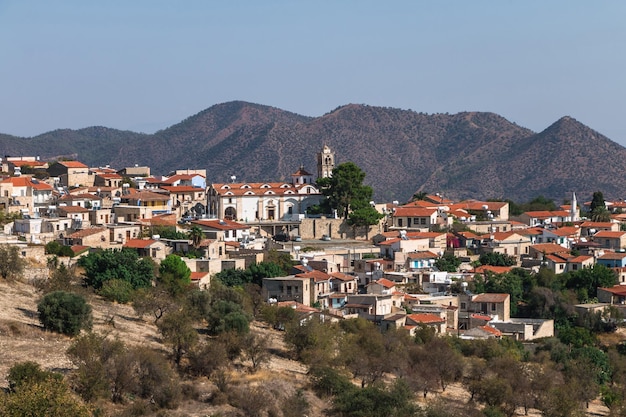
[73,209]
[342,277]
[27,182]
[72,164]
[220,224]
[481,317]
[87,232]
[139,243]
[425,318]
[413,212]
[491,268]
[490,298]
[197,276]
[549,248]
[260,188]
[422,255]
[607,234]
[613,255]
[385,283]
[317,276]
[491,330]
[545,214]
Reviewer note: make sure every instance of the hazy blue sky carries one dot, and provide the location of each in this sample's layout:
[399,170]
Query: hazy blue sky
[144,65]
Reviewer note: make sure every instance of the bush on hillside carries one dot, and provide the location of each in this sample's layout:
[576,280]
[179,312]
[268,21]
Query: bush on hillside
[64,312]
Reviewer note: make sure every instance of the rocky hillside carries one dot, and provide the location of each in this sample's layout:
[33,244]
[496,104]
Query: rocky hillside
[472,154]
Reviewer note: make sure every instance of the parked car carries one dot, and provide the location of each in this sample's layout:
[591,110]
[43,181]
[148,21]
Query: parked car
[326,237]
[281,237]
[297,239]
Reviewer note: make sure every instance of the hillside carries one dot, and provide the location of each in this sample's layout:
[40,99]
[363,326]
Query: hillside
[470,154]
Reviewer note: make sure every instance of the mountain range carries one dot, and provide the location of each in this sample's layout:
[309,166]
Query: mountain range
[465,155]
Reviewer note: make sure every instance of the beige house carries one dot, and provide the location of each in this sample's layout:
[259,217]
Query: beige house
[373,307]
[71,173]
[187,200]
[224,230]
[507,243]
[493,305]
[413,218]
[290,288]
[26,195]
[610,240]
[138,205]
[151,248]
[79,216]
[483,210]
[95,237]
[435,321]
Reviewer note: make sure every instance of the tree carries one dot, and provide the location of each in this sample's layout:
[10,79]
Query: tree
[597,201]
[153,300]
[587,280]
[344,188]
[117,290]
[446,362]
[121,264]
[497,259]
[363,350]
[25,373]
[196,235]
[96,359]
[178,332]
[225,316]
[448,262]
[50,398]
[295,405]
[281,259]
[255,348]
[11,263]
[174,274]
[64,312]
[509,283]
[364,216]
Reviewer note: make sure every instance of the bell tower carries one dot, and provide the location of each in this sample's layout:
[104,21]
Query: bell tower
[325,162]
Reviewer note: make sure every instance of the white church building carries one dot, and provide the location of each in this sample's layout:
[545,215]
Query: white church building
[270,201]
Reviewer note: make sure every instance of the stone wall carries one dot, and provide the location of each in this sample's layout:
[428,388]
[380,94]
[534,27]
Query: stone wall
[32,274]
[315,228]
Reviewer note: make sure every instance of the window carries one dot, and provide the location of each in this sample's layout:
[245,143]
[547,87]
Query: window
[493,306]
[423,220]
[463,306]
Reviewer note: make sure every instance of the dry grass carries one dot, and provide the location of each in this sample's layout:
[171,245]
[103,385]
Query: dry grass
[22,338]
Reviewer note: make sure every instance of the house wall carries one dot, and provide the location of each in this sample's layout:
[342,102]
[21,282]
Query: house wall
[290,289]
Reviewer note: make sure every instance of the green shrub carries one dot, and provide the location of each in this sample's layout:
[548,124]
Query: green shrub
[64,312]
[28,372]
[117,290]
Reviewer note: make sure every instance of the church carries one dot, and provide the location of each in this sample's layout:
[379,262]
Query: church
[270,201]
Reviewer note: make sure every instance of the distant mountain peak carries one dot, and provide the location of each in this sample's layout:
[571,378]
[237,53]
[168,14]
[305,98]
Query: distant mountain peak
[469,154]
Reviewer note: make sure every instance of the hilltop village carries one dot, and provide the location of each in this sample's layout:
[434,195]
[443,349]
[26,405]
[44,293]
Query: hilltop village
[515,304]
[428,265]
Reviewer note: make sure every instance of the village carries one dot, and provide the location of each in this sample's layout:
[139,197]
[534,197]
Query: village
[390,279]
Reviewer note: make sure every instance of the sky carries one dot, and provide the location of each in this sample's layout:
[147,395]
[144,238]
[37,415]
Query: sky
[144,65]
